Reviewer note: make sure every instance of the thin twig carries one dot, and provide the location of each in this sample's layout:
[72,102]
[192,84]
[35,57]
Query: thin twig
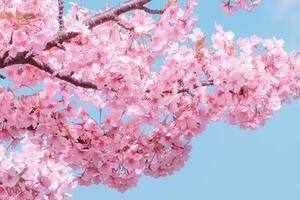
[152,11]
[124,25]
[60,15]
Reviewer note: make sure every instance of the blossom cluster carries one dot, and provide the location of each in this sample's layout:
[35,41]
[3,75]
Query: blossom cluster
[231,6]
[163,74]
[33,174]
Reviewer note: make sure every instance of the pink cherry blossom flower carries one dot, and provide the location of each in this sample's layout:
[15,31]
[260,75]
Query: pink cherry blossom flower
[10,178]
[228,7]
[275,102]
[19,36]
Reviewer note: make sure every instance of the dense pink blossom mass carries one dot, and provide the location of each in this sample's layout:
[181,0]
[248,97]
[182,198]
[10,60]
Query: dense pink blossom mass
[109,59]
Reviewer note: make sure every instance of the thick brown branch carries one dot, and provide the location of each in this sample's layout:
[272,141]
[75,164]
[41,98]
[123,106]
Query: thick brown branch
[91,22]
[22,59]
[6,60]
[60,38]
[112,13]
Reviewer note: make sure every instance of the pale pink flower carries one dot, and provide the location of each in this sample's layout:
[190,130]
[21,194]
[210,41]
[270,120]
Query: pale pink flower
[197,35]
[19,36]
[274,102]
[235,81]
[228,7]
[10,178]
[132,163]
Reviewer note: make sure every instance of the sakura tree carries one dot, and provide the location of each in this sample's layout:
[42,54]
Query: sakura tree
[50,143]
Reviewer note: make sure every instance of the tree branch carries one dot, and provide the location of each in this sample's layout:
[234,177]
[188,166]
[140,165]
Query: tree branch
[109,15]
[60,15]
[60,38]
[6,60]
[124,25]
[22,58]
[68,78]
[112,13]
[151,11]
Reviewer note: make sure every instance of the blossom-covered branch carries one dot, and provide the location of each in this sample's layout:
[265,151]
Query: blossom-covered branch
[112,13]
[63,36]
[109,15]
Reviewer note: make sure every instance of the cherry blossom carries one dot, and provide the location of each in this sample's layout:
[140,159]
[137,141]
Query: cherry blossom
[10,178]
[231,6]
[51,141]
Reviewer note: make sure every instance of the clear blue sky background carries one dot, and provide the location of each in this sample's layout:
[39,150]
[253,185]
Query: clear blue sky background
[227,163]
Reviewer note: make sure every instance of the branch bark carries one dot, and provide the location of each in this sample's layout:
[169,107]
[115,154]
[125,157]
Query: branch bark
[68,78]
[112,13]
[151,11]
[22,58]
[60,15]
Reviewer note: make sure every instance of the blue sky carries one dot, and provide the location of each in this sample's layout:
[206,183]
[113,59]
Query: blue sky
[226,162]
